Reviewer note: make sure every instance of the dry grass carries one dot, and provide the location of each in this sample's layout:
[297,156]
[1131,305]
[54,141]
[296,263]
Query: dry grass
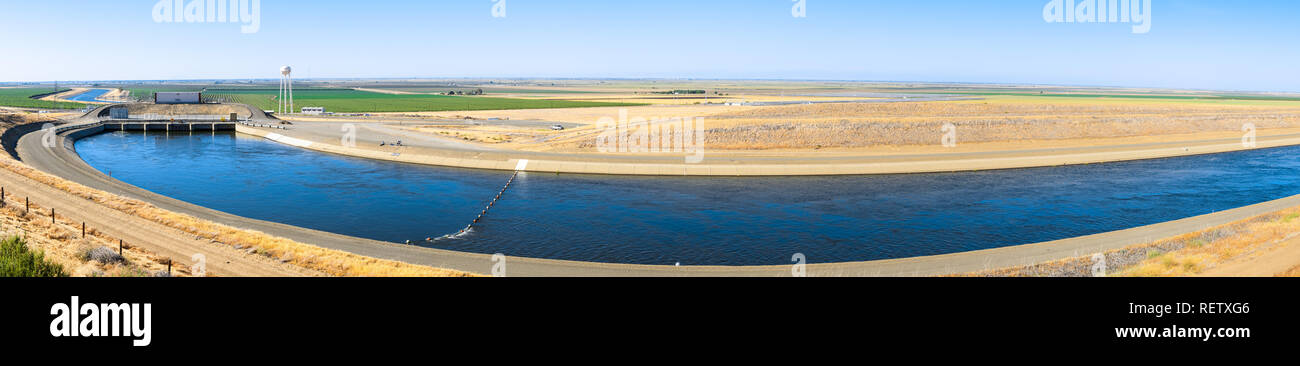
[1183,255]
[481,135]
[1212,247]
[82,257]
[1294,272]
[581,115]
[12,119]
[858,125]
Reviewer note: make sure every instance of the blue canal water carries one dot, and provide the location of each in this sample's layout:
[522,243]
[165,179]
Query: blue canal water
[91,95]
[694,221]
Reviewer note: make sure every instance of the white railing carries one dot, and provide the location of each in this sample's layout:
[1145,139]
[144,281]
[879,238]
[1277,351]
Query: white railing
[177,117]
[262,125]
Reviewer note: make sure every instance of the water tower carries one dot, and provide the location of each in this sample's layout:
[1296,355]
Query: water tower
[286,91]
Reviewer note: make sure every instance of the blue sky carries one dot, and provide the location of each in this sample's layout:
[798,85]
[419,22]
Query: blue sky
[1202,44]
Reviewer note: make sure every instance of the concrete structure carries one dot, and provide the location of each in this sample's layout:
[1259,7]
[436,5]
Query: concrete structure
[286,91]
[178,98]
[313,111]
[167,126]
[191,113]
[119,112]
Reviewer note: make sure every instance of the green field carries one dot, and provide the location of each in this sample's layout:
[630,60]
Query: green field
[22,98]
[352,101]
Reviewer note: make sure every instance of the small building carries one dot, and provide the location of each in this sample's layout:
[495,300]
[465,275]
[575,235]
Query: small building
[313,111]
[178,98]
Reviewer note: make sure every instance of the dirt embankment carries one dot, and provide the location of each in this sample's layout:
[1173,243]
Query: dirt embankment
[17,125]
[857,125]
[1262,246]
[61,96]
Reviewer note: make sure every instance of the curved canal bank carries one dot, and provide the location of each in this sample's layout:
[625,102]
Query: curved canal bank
[90,96]
[326,137]
[707,221]
[62,161]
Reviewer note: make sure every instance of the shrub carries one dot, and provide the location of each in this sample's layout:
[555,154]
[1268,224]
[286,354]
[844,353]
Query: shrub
[102,255]
[1290,218]
[16,260]
[133,272]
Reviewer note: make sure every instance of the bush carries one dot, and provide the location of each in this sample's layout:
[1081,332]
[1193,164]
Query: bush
[17,261]
[133,272]
[103,255]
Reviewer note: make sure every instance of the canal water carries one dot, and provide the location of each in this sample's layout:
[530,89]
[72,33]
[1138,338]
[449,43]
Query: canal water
[91,95]
[687,220]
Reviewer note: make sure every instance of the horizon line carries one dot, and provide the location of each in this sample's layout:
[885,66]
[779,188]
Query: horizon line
[486,78]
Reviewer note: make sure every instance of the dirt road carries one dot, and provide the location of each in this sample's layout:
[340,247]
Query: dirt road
[184,249]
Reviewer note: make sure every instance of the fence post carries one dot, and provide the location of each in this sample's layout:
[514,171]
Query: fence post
[119,246]
[28,201]
[52,216]
[83,229]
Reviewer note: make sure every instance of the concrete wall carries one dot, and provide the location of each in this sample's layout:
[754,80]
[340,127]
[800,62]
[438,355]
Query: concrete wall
[13,134]
[189,109]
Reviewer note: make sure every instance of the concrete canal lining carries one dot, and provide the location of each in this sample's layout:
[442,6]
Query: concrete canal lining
[64,162]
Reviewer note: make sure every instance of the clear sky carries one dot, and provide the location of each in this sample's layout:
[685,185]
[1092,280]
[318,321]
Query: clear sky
[1203,44]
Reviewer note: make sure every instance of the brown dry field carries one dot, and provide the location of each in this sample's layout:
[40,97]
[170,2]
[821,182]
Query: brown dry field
[115,93]
[993,124]
[902,124]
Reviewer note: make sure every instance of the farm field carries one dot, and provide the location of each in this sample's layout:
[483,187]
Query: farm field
[488,90]
[352,101]
[21,98]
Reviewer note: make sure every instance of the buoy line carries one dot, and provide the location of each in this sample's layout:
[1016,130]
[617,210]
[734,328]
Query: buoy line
[470,228]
